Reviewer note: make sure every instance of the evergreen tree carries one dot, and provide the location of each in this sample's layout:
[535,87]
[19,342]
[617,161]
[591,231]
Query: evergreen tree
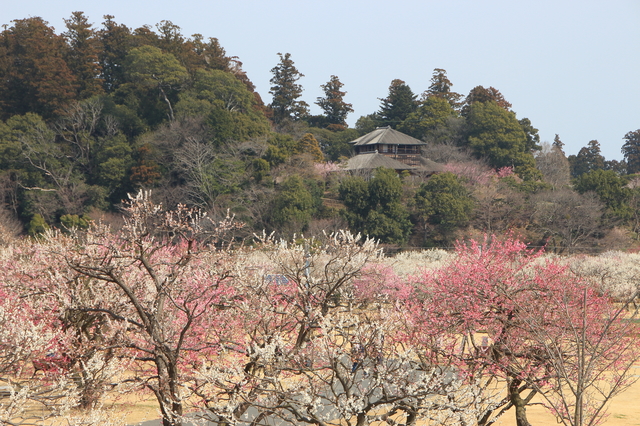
[211,53]
[441,88]
[227,105]
[496,134]
[397,106]
[611,189]
[558,144]
[368,123]
[116,41]
[309,145]
[34,76]
[293,206]
[374,207]
[481,94]
[432,115]
[279,148]
[620,167]
[588,159]
[82,57]
[145,36]
[171,40]
[286,91]
[189,52]
[333,105]
[533,138]
[444,204]
[631,151]
[150,68]
[335,145]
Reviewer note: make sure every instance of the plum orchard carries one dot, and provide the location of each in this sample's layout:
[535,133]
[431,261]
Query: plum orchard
[500,312]
[317,331]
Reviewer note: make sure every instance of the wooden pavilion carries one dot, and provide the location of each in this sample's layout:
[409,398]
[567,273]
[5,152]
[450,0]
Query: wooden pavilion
[390,143]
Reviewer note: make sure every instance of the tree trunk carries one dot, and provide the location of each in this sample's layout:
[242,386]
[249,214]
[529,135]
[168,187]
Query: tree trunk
[411,418]
[521,415]
[168,102]
[519,403]
[166,392]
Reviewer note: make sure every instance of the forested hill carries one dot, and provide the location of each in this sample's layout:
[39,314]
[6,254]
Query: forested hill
[98,112]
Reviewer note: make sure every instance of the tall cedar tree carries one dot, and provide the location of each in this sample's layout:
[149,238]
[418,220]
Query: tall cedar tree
[631,151]
[186,51]
[34,74]
[116,41]
[588,159]
[171,40]
[145,36]
[285,104]
[82,57]
[558,144]
[333,105]
[211,52]
[397,106]
[441,88]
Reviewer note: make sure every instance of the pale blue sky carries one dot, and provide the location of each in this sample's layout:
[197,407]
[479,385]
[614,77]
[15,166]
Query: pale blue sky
[571,67]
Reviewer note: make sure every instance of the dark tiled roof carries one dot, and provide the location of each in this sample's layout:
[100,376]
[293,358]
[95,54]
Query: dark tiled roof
[428,165]
[374,160]
[388,136]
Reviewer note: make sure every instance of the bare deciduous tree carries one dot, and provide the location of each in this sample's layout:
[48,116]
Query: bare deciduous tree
[554,165]
[569,219]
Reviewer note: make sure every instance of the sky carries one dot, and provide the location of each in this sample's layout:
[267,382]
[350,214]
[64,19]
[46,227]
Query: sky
[571,67]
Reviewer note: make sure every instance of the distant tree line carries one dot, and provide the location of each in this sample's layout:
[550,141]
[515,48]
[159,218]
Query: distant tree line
[94,113]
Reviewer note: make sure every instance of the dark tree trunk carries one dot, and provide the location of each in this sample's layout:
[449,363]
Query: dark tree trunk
[519,403]
[167,393]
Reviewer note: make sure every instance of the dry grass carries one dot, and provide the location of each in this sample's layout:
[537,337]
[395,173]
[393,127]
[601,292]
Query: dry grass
[623,411]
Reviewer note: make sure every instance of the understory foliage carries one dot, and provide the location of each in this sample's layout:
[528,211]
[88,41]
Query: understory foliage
[323,330]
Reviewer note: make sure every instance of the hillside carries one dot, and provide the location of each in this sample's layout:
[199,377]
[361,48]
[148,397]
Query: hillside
[93,114]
